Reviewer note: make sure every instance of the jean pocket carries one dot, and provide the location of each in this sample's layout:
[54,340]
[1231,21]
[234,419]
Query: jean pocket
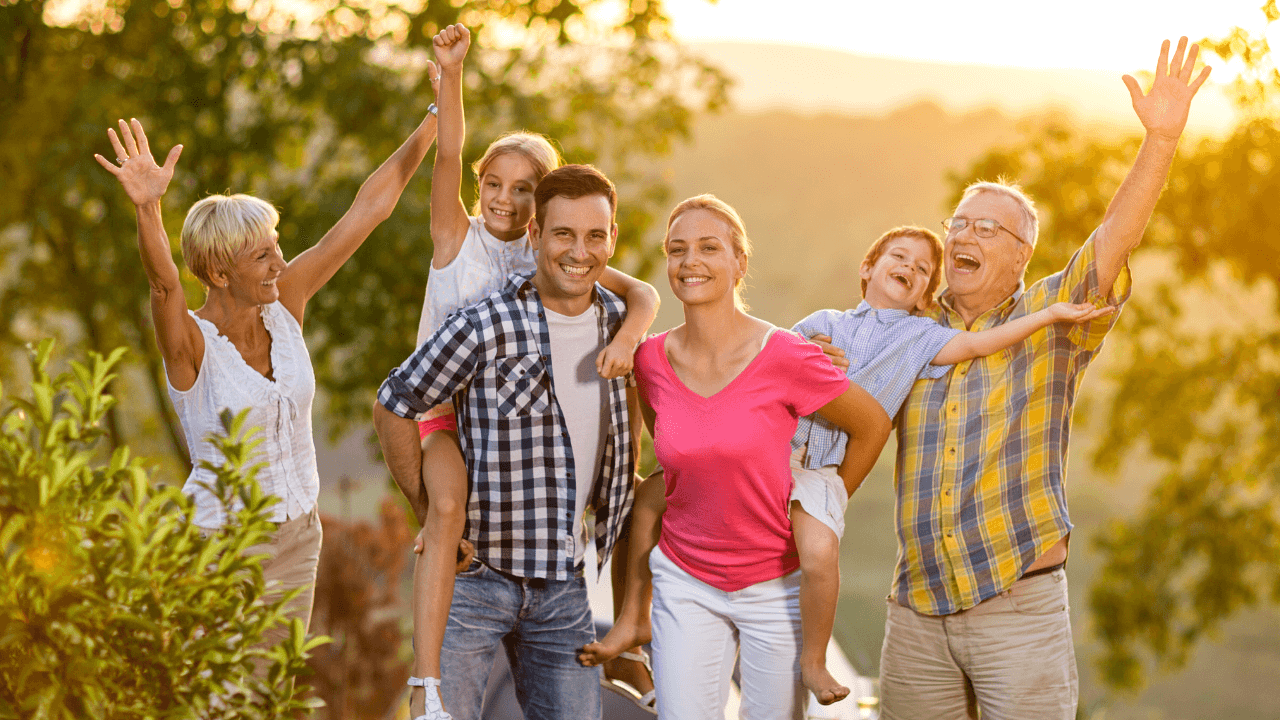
[1041,595]
[522,386]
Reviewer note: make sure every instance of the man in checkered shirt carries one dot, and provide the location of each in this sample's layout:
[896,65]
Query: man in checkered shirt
[544,439]
[978,617]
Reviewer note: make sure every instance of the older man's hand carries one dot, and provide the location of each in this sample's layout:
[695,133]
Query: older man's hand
[1163,109]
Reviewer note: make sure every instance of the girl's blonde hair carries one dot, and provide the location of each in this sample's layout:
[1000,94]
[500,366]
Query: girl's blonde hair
[536,149]
[220,227]
[733,221]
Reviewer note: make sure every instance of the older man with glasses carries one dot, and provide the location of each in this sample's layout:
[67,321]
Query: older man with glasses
[978,614]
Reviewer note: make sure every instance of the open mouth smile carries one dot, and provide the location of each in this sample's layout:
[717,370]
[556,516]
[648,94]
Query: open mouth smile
[966,263]
[575,270]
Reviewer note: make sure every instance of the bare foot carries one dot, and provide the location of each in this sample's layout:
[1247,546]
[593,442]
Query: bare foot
[822,685]
[630,672]
[622,637]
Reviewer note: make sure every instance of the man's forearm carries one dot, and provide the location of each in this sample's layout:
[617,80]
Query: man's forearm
[1130,209]
[402,451]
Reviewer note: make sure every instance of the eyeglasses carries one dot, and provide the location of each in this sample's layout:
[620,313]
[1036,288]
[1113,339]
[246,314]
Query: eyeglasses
[982,227]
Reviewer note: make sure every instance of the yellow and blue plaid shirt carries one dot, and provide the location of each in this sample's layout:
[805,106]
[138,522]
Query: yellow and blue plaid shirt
[982,451]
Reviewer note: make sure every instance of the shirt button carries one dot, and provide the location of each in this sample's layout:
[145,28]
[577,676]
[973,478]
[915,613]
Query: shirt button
[947,492]
[953,408]
[951,451]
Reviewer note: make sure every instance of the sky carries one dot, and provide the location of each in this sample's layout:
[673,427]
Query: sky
[1119,35]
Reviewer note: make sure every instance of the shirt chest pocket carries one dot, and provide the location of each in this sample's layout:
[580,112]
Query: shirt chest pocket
[522,386]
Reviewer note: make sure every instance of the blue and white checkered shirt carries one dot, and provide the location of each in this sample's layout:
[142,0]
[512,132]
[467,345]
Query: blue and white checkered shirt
[496,355]
[887,351]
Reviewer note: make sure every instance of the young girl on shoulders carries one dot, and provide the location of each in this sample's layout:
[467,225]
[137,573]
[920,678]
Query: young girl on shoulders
[473,256]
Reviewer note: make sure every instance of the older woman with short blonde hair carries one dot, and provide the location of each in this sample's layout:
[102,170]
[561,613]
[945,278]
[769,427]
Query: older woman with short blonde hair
[243,348]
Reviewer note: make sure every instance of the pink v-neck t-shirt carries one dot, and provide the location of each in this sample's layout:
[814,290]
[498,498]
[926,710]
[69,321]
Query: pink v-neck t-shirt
[726,458]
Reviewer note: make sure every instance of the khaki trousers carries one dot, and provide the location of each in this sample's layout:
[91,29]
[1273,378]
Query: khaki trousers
[293,556]
[1011,657]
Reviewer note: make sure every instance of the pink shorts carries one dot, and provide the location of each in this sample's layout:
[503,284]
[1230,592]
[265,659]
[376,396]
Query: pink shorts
[444,422]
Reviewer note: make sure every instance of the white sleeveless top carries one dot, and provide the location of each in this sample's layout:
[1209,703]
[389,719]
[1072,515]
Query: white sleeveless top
[481,268]
[280,409]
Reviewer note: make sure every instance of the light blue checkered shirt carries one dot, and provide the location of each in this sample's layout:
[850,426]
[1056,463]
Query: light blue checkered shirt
[887,351]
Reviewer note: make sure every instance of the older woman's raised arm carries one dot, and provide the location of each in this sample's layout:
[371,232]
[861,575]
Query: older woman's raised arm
[180,341]
[858,414]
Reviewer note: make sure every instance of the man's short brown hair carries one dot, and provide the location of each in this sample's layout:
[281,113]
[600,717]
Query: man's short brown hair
[572,182]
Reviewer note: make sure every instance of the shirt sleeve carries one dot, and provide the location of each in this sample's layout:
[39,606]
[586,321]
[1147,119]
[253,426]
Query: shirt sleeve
[1078,283]
[810,379]
[440,367]
[821,322]
[932,338]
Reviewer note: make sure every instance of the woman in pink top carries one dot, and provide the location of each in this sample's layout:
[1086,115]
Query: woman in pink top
[722,394]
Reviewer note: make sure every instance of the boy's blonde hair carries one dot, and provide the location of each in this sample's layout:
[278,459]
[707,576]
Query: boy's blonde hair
[541,155]
[935,247]
[737,231]
[220,227]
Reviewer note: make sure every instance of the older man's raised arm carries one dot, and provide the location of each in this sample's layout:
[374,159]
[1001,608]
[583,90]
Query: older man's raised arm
[1163,112]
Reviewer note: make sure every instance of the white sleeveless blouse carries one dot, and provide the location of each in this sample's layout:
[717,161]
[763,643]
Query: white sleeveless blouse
[481,268]
[280,409]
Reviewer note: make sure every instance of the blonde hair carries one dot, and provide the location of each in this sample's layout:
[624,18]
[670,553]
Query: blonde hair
[541,155]
[733,221]
[910,231]
[1030,221]
[220,227]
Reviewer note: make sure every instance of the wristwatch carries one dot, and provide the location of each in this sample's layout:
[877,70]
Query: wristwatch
[433,109]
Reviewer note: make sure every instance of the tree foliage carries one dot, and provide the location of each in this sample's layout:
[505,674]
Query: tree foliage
[112,603]
[297,112]
[1197,384]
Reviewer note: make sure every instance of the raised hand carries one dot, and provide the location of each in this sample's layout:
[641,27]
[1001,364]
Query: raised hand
[433,74]
[143,181]
[1078,312]
[451,46]
[1163,109]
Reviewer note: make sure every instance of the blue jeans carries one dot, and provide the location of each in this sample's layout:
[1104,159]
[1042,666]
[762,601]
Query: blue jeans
[541,624]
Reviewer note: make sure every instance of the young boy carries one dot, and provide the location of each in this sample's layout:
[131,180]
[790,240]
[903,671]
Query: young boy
[888,349]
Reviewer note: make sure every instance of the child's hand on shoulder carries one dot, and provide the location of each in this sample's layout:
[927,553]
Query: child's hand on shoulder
[1078,312]
[616,359]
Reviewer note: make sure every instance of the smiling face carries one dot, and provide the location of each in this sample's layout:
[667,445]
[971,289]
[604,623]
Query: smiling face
[252,280]
[899,278]
[506,196]
[574,241]
[983,272]
[702,265]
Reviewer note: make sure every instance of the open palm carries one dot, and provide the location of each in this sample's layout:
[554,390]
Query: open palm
[143,181]
[1163,109]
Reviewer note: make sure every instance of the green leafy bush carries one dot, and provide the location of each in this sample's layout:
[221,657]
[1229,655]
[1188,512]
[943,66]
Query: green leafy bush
[112,603]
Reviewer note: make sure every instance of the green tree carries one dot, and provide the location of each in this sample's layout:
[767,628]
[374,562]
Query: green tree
[112,603]
[1198,357]
[298,113]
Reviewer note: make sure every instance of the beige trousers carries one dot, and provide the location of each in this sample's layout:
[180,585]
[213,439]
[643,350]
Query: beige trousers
[293,556]
[1011,657]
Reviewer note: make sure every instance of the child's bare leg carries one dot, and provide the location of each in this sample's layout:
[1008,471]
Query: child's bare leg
[631,627]
[819,550]
[631,672]
[444,474]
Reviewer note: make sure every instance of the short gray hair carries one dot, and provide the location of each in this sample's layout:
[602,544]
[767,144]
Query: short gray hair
[220,227]
[1029,227]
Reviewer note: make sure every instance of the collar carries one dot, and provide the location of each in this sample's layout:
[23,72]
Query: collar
[946,302]
[522,287]
[883,316]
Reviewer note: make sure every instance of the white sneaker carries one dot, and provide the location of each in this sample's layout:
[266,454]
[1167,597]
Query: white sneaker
[431,702]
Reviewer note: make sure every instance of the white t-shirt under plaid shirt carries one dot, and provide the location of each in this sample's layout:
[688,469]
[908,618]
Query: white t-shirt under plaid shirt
[887,350]
[513,432]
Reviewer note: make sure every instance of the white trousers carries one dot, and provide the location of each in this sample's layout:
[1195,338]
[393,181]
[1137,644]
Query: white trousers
[697,631]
